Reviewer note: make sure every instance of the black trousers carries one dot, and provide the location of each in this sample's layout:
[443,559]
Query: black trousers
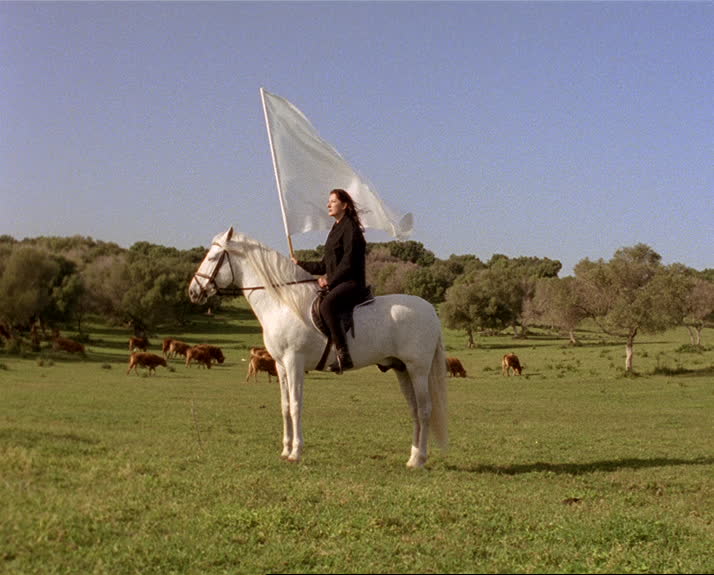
[340,299]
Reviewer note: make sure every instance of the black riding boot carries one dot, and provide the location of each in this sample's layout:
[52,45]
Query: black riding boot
[344,361]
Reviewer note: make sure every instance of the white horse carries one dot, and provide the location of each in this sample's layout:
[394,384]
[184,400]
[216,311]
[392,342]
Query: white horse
[396,331]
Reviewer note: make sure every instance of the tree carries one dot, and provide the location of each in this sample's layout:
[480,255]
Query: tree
[66,290]
[459,310]
[385,273]
[517,279]
[144,286]
[495,297]
[25,285]
[699,308]
[431,282]
[556,303]
[477,301]
[159,277]
[106,280]
[632,293]
[406,251]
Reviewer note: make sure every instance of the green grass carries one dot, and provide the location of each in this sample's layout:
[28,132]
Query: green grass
[570,468]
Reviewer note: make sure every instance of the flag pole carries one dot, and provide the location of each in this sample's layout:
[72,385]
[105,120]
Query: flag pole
[277,173]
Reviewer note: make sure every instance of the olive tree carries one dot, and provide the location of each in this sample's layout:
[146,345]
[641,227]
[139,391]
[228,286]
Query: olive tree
[431,282]
[630,294]
[556,304]
[699,308]
[25,284]
[478,301]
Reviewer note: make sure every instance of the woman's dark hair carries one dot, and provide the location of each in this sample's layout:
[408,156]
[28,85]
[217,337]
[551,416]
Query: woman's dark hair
[351,208]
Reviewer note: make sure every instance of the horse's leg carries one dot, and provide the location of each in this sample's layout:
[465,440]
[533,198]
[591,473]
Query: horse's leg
[418,456]
[295,376]
[285,408]
[421,412]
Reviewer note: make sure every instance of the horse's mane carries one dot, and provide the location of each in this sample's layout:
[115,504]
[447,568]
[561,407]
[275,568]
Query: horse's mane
[274,270]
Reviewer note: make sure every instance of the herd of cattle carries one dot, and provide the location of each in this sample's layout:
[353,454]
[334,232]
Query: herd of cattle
[259,359]
[202,354]
[509,363]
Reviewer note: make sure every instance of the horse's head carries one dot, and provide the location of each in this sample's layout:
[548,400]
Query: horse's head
[238,264]
[215,273]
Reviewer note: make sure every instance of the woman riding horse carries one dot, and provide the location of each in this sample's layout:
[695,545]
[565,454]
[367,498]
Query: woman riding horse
[342,272]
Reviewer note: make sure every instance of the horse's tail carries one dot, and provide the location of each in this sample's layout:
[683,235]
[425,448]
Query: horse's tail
[437,392]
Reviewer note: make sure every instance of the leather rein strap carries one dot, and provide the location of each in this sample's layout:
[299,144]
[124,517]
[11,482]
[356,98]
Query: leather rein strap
[237,290]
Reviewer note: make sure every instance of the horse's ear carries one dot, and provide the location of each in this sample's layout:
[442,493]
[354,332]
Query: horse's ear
[229,233]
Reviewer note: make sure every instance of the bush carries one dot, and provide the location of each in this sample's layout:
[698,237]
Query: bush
[690,348]
[665,370]
[14,346]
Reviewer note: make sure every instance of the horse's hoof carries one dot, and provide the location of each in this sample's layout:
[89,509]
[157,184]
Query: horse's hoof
[416,462]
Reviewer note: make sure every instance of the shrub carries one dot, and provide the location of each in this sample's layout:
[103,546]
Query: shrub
[690,348]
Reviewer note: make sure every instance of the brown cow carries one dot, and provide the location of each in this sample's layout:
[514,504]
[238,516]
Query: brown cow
[199,354]
[138,342]
[68,345]
[510,362]
[261,363]
[214,351]
[454,367]
[178,348]
[166,346]
[259,352]
[143,359]
[267,365]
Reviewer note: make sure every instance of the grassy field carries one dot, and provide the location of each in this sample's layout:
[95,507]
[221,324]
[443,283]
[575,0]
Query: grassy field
[571,468]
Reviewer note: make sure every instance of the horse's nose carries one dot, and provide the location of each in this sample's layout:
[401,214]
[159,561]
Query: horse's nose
[195,292]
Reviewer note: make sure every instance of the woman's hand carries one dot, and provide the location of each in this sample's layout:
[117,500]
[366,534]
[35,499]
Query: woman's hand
[322,281]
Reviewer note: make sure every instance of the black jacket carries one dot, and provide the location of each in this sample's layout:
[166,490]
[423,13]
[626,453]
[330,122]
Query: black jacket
[345,254]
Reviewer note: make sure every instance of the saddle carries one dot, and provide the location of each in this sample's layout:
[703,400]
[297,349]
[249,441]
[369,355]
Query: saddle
[347,319]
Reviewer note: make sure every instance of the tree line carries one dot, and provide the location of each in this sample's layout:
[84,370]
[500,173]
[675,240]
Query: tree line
[46,282]
[52,281]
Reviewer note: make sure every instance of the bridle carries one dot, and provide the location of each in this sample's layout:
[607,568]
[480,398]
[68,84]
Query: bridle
[233,290]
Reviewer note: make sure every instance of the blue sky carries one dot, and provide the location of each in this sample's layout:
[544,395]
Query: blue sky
[561,130]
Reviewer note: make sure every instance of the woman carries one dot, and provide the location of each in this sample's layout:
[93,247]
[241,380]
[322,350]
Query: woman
[341,270]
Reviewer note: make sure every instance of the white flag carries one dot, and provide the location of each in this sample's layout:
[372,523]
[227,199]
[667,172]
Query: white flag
[307,168]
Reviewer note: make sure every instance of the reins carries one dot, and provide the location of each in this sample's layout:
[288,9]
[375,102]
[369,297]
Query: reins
[237,290]
[311,280]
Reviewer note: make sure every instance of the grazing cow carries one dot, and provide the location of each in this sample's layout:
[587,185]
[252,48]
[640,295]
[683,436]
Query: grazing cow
[254,366]
[261,363]
[259,352]
[143,359]
[178,348]
[200,354]
[166,346]
[68,345]
[140,343]
[454,367]
[214,351]
[510,362]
